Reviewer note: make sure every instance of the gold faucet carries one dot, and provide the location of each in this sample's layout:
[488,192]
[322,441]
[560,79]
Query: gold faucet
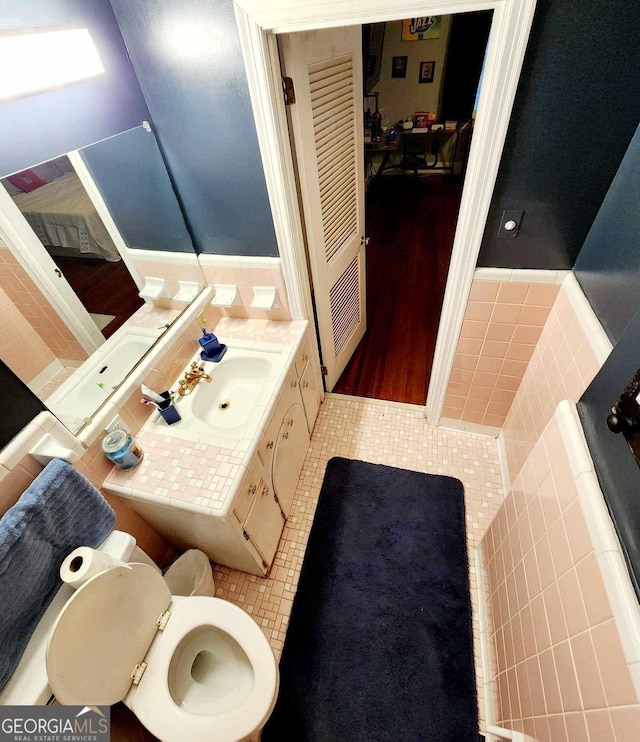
[191,378]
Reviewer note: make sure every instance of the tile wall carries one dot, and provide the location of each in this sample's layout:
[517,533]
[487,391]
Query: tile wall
[562,673]
[570,351]
[171,267]
[502,324]
[245,274]
[18,470]
[26,305]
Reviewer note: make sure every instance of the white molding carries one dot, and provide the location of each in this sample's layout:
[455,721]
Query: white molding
[44,427]
[82,171]
[593,330]
[466,427]
[520,275]
[606,544]
[163,256]
[287,16]
[486,629]
[239,261]
[505,52]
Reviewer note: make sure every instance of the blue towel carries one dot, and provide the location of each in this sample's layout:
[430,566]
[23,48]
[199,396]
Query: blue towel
[60,511]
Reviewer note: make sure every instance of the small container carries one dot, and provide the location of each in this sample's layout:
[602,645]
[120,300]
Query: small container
[120,448]
[169,414]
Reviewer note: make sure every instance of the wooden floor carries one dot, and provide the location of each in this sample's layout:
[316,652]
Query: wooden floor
[103,287]
[411,224]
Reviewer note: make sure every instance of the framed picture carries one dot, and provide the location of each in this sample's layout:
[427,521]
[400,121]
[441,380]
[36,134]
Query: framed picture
[418,29]
[427,71]
[399,67]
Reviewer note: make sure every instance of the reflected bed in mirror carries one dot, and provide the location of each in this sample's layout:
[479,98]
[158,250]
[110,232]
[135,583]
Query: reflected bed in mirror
[81,237]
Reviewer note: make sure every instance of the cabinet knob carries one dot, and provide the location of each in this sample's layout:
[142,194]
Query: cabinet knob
[285,435]
[305,357]
[306,385]
[265,490]
[290,423]
[294,384]
[270,444]
[252,489]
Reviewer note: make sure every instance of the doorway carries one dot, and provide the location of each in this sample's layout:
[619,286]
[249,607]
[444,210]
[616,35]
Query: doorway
[53,203]
[415,178]
[258,25]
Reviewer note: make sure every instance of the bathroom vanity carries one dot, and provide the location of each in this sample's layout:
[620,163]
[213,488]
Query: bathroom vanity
[223,478]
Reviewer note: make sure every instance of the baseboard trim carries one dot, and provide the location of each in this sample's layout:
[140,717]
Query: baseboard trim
[465,427]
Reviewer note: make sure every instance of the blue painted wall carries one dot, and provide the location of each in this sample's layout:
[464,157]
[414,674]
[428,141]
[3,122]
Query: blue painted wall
[187,58]
[576,109]
[130,174]
[608,266]
[42,126]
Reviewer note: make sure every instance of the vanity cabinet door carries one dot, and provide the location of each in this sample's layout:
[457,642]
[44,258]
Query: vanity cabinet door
[310,396]
[288,455]
[302,356]
[253,482]
[264,524]
[289,394]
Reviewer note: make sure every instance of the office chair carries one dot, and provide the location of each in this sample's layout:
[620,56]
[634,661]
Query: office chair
[416,150]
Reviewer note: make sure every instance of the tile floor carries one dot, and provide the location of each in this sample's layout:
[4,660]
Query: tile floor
[383,433]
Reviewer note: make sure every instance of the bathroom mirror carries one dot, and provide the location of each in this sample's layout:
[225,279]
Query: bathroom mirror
[80,237]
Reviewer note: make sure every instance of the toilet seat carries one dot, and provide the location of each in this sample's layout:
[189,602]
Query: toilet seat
[125,623]
[153,703]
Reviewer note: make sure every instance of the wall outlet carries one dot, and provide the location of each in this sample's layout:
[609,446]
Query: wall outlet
[202,319]
[116,423]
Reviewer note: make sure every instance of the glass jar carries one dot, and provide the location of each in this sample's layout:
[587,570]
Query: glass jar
[119,447]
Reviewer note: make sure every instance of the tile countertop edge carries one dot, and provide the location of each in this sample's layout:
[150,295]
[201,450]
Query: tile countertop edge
[130,489]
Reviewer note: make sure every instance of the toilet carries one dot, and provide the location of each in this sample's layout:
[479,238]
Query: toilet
[190,668]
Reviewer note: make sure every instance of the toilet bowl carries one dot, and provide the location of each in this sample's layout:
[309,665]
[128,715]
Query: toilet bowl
[190,668]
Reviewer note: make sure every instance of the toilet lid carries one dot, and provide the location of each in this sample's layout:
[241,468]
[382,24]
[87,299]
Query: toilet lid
[103,632]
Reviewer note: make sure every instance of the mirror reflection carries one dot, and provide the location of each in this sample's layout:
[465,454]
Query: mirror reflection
[93,250]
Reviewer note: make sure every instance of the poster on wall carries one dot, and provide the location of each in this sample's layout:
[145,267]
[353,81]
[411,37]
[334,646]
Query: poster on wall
[399,66]
[418,29]
[427,71]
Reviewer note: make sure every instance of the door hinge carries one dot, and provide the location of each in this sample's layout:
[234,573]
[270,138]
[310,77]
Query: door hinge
[288,90]
[364,240]
[163,618]
[138,672]
[324,370]
[246,535]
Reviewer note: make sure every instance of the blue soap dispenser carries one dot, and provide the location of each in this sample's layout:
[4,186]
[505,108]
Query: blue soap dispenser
[212,348]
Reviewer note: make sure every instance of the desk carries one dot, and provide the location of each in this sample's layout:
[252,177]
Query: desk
[388,148]
[373,148]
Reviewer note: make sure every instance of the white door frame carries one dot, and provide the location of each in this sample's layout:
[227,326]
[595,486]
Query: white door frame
[259,21]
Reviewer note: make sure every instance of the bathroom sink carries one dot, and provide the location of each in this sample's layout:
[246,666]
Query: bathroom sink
[240,387]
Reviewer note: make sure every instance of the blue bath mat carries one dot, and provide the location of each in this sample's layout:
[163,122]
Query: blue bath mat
[379,646]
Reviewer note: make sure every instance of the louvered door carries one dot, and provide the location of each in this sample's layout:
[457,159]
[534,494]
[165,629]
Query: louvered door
[326,68]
